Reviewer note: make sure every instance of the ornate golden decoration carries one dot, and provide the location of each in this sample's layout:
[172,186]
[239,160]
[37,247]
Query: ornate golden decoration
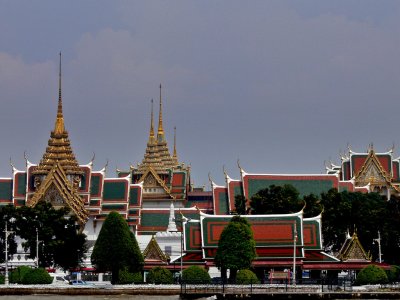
[154,252]
[153,179]
[372,172]
[57,189]
[59,147]
[353,250]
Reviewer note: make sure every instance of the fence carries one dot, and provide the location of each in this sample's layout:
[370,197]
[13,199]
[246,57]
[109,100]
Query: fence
[283,285]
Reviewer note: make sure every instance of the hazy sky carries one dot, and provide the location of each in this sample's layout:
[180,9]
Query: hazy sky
[280,85]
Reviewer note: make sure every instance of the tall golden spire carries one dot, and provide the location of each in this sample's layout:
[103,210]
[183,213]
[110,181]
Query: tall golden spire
[151,136]
[59,125]
[59,150]
[160,133]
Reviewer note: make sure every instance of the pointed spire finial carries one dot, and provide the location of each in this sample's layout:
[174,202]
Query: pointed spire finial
[151,137]
[175,155]
[59,126]
[160,133]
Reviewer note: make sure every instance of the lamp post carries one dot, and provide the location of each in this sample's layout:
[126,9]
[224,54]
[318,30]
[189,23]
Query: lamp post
[294,254]
[37,248]
[6,234]
[378,240]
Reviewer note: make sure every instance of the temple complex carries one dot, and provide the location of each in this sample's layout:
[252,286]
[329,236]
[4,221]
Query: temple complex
[159,202]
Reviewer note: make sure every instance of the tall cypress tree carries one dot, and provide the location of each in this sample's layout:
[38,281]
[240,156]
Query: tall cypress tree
[116,248]
[236,247]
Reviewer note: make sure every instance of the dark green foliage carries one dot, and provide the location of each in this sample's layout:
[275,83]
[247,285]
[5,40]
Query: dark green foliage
[246,277]
[137,277]
[37,276]
[276,200]
[2,279]
[372,275]
[116,248]
[19,273]
[125,277]
[240,205]
[196,274]
[57,229]
[160,275]
[393,274]
[236,247]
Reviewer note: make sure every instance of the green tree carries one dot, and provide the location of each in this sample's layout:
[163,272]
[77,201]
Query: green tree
[116,248]
[196,274]
[17,275]
[236,247]
[276,200]
[57,229]
[372,275]
[160,275]
[240,205]
[37,276]
[246,277]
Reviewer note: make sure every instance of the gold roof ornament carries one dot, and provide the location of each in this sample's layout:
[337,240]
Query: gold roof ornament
[352,250]
[153,252]
[157,155]
[59,149]
[59,191]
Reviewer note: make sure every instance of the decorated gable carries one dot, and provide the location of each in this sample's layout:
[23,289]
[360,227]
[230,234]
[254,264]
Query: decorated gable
[234,189]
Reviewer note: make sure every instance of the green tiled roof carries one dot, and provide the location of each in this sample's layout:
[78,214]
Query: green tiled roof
[223,203]
[95,185]
[6,190]
[305,187]
[134,196]
[21,188]
[114,190]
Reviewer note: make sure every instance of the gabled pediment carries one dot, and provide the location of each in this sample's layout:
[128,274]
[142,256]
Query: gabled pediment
[352,250]
[151,180]
[59,191]
[153,252]
[372,172]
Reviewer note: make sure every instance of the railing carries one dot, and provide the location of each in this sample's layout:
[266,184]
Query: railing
[276,286]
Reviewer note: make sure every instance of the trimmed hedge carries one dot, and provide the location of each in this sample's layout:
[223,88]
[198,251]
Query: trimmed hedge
[126,277]
[37,276]
[160,275]
[196,274]
[246,277]
[372,275]
[393,274]
[19,273]
[2,279]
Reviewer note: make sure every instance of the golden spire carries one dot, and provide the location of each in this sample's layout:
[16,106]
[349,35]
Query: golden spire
[174,155]
[59,125]
[160,133]
[151,136]
[59,150]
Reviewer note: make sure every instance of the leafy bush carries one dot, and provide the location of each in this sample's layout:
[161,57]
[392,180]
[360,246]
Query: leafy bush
[246,277]
[125,277]
[160,275]
[372,275]
[37,276]
[19,273]
[393,274]
[1,279]
[137,277]
[196,274]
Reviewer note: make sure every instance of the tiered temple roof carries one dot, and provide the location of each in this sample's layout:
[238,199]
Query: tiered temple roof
[59,149]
